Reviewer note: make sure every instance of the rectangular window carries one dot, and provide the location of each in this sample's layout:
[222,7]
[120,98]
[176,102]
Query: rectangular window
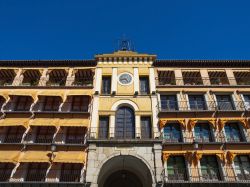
[52,103]
[45,134]
[36,171]
[103,132]
[80,104]
[247,101]
[14,134]
[197,102]
[144,85]
[172,133]
[176,168]
[242,167]
[233,133]
[71,172]
[23,103]
[75,135]
[210,168]
[202,132]
[5,171]
[146,131]
[224,102]
[169,103]
[106,85]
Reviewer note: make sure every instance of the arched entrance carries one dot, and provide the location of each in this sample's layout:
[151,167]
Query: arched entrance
[125,123]
[123,178]
[125,171]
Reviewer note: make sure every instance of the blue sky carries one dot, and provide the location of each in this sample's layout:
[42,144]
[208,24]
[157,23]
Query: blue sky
[78,29]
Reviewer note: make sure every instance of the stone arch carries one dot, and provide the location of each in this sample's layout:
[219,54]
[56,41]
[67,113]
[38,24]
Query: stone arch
[109,164]
[124,102]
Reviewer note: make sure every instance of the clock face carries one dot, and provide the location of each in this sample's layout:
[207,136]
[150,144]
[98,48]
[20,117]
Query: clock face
[125,78]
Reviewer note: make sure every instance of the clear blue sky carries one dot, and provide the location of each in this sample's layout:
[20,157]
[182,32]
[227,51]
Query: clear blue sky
[78,29]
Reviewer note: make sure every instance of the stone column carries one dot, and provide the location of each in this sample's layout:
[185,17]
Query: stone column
[70,78]
[205,77]
[230,76]
[178,77]
[158,162]
[112,126]
[94,116]
[98,80]
[91,172]
[18,78]
[44,78]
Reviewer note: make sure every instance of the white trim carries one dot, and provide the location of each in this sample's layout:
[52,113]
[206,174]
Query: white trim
[114,80]
[98,79]
[136,80]
[152,79]
[124,73]
[117,104]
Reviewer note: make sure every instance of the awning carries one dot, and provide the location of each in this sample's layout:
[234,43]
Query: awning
[9,156]
[70,157]
[80,92]
[44,122]
[74,122]
[31,93]
[59,93]
[35,156]
[14,122]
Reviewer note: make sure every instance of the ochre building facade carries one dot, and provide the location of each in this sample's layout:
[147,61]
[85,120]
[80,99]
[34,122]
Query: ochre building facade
[124,119]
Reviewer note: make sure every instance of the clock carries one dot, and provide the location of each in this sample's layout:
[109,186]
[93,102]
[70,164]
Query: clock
[125,79]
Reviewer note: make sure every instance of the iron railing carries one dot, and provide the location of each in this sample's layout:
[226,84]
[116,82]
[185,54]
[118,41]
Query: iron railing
[13,138]
[206,174]
[201,81]
[122,134]
[172,106]
[53,82]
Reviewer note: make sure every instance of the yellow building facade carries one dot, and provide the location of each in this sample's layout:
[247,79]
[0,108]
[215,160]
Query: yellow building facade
[124,119]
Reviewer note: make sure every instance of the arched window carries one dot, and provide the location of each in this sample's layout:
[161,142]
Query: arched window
[125,123]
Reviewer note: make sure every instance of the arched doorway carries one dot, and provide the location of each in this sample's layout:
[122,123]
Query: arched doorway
[125,123]
[125,171]
[123,178]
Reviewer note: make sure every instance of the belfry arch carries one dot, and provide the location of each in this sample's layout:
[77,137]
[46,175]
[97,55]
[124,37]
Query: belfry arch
[125,170]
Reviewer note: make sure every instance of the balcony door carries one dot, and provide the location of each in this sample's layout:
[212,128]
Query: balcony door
[125,123]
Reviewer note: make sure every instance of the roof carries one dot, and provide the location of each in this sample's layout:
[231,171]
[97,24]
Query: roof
[202,63]
[46,63]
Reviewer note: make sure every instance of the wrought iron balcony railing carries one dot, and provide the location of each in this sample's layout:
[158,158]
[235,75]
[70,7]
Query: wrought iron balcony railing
[122,134]
[172,106]
[206,174]
[201,81]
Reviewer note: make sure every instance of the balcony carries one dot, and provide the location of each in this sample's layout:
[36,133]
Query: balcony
[7,77]
[192,78]
[242,78]
[31,78]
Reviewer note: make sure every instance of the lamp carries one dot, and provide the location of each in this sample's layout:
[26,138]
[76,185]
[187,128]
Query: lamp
[53,147]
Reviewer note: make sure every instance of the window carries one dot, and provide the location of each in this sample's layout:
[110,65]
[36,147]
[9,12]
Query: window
[233,133]
[45,134]
[247,101]
[23,103]
[5,171]
[172,133]
[14,134]
[197,102]
[52,103]
[103,132]
[36,171]
[144,85]
[210,168]
[242,167]
[146,127]
[71,172]
[176,168]
[106,85]
[75,135]
[224,102]
[202,132]
[125,123]
[169,102]
[80,103]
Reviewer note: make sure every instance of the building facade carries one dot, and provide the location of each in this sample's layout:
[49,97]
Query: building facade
[125,119]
